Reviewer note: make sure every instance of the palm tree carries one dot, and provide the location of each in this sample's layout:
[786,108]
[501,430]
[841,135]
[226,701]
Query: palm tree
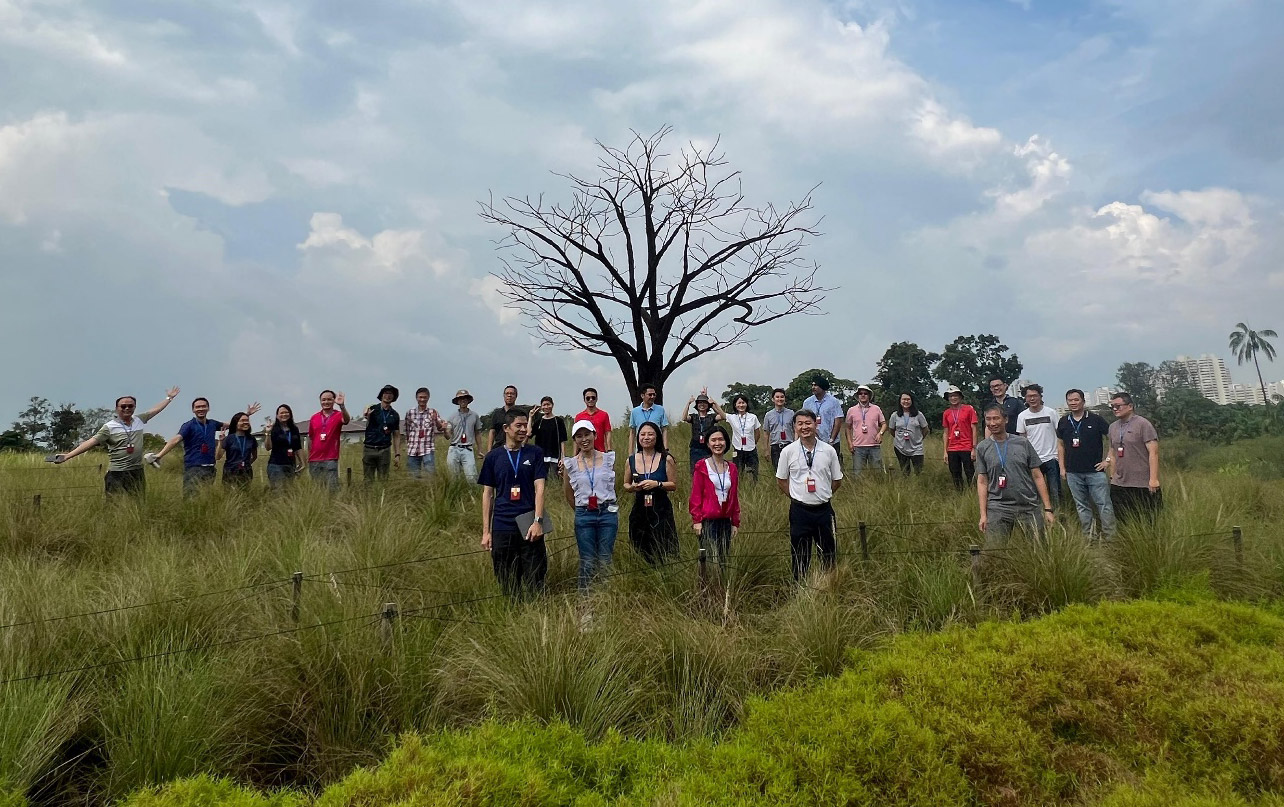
[1246,343]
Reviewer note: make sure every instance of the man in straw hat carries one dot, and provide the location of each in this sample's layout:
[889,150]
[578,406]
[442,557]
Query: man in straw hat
[462,430]
[383,436]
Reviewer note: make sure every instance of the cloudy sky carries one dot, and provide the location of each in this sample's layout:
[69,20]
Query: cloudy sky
[258,200]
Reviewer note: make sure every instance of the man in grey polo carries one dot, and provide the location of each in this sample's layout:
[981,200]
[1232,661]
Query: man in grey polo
[778,423]
[1009,484]
[462,431]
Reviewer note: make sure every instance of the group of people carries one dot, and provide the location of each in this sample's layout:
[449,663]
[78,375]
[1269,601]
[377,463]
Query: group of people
[1018,453]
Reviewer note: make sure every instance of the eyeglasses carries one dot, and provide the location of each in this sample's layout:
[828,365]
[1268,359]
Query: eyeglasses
[127,406]
[1118,406]
[590,397]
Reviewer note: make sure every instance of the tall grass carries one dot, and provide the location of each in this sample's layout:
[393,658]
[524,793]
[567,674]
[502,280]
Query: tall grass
[663,655]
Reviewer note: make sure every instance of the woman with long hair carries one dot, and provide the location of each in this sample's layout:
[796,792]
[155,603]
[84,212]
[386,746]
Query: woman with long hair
[746,431]
[590,490]
[653,474]
[285,448]
[239,450]
[715,498]
[909,428]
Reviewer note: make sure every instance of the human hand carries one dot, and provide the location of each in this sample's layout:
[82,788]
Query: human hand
[696,527]
[253,408]
[59,459]
[1103,465]
[339,399]
[1049,518]
[172,392]
[485,541]
[536,531]
[1154,485]
[982,523]
[734,530]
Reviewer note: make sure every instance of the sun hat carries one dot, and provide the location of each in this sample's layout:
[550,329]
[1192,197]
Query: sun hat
[389,388]
[583,424]
[864,388]
[463,393]
[952,389]
[702,397]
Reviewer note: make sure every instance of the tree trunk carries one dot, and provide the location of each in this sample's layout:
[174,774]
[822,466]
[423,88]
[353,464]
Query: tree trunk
[1265,401]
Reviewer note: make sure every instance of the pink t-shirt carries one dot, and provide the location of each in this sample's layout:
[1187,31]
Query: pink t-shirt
[325,435]
[864,424]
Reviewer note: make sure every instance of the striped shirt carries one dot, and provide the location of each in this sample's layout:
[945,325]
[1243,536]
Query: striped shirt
[421,429]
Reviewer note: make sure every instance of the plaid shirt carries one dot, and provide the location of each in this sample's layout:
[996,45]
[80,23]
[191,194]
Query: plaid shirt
[421,430]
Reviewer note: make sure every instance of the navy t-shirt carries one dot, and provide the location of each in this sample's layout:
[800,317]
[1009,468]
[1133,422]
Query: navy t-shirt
[497,472]
[1092,436]
[240,452]
[380,424]
[284,442]
[199,441]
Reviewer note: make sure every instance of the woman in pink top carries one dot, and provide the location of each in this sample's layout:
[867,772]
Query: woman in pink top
[715,497]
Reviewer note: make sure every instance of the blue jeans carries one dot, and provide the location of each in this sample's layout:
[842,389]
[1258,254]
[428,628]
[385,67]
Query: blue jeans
[1088,491]
[1052,478]
[462,461]
[866,454]
[326,472]
[417,466]
[280,475]
[595,538]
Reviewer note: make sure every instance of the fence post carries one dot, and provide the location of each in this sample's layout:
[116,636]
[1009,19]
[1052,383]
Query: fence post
[349,476]
[1237,536]
[35,503]
[864,540]
[100,467]
[975,552]
[703,571]
[386,624]
[297,595]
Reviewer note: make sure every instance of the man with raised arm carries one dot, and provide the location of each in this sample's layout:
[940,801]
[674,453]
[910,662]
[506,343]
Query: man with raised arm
[325,438]
[122,436]
[200,441]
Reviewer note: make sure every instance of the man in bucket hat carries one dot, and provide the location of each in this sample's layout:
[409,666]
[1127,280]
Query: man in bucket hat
[462,427]
[865,426]
[383,436]
[962,433]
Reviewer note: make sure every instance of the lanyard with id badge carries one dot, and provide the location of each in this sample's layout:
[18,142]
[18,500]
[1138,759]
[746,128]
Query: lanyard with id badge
[1075,424]
[1001,448]
[514,490]
[648,499]
[810,456]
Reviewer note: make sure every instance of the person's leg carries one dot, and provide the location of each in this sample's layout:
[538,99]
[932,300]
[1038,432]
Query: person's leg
[956,468]
[775,458]
[190,484]
[585,544]
[800,541]
[469,462]
[414,466]
[825,528]
[751,464]
[430,463]
[369,463]
[858,462]
[1080,492]
[998,526]
[113,484]
[534,565]
[1098,490]
[903,461]
[505,549]
[331,474]
[1052,478]
[917,461]
[1124,502]
[607,528]
[383,465]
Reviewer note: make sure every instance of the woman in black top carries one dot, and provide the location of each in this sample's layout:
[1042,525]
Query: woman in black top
[240,450]
[285,444]
[702,422]
[652,475]
[548,432]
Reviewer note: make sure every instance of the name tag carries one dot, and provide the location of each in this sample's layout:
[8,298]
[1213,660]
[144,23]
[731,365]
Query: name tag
[1003,481]
[1074,442]
[864,428]
[648,500]
[323,435]
[592,502]
[782,436]
[515,493]
[744,441]
[956,432]
[1119,451]
[811,485]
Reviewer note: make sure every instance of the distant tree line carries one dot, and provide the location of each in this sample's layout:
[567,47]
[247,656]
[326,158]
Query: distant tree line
[43,427]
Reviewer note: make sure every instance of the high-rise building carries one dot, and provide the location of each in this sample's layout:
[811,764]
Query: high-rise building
[1208,375]
[1100,396]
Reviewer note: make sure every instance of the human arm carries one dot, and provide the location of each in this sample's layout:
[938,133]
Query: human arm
[219,450]
[695,502]
[1042,485]
[606,436]
[169,444]
[396,448]
[569,489]
[670,473]
[537,528]
[982,492]
[488,498]
[160,407]
[1061,455]
[1152,448]
[882,424]
[77,451]
[733,498]
[343,410]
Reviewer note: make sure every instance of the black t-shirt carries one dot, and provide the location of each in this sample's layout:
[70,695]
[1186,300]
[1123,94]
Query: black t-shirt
[1011,407]
[549,433]
[1092,430]
[283,442]
[380,424]
[497,472]
[497,416]
[700,428]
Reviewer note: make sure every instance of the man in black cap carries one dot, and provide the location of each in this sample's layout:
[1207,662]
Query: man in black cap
[383,436]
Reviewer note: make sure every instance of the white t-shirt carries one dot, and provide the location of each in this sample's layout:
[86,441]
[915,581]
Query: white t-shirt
[1040,429]
[721,481]
[824,468]
[742,429]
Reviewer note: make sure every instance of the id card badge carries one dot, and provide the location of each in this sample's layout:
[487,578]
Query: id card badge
[463,439]
[515,493]
[289,452]
[864,428]
[323,435]
[744,441]
[129,449]
[1119,450]
[702,439]
[423,433]
[648,500]
[1074,442]
[811,484]
[782,435]
[592,502]
[385,429]
[905,436]
[205,448]
[956,432]
[1003,481]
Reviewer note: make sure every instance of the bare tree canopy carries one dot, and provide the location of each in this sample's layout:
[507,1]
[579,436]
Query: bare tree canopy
[656,261]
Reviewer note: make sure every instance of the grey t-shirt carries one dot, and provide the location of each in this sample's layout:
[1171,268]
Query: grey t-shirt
[463,429]
[124,444]
[1014,461]
[907,433]
[774,423]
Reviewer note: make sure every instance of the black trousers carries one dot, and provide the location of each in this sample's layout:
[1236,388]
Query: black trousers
[747,462]
[131,481]
[907,461]
[961,465]
[1135,503]
[520,565]
[810,524]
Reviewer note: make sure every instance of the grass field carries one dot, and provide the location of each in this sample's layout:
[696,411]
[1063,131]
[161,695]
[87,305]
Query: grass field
[188,657]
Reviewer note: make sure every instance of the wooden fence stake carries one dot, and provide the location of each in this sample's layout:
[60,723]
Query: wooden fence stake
[975,552]
[349,477]
[1237,536]
[35,503]
[386,624]
[864,540]
[297,596]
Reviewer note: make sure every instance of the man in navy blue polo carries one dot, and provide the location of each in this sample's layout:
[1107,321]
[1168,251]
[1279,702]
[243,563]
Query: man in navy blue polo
[512,478]
[200,438]
[383,433]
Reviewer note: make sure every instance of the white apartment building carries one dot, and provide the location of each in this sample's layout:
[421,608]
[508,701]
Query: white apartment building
[1208,375]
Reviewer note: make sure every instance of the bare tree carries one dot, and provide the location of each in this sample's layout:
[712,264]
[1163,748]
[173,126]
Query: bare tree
[656,261]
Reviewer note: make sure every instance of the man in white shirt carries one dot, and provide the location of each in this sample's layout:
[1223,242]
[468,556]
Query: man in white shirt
[1038,425]
[809,472]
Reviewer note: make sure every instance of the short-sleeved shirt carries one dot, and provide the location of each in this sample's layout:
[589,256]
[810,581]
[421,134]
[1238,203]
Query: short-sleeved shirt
[381,425]
[497,416]
[959,425]
[421,430]
[907,433]
[827,412]
[797,463]
[1040,428]
[779,426]
[199,442]
[239,452]
[701,426]
[863,421]
[655,414]
[497,472]
[1011,407]
[286,445]
[463,428]
[325,435]
[602,422]
[1014,460]
[1132,470]
[742,429]
[549,434]
[597,481]
[1090,430]
[124,443]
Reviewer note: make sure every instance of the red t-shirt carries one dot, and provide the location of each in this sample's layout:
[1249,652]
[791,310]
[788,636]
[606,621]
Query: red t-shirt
[602,422]
[958,425]
[325,435]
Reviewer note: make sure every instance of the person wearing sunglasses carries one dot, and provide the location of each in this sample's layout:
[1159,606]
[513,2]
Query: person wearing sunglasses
[599,418]
[1134,463]
[122,436]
